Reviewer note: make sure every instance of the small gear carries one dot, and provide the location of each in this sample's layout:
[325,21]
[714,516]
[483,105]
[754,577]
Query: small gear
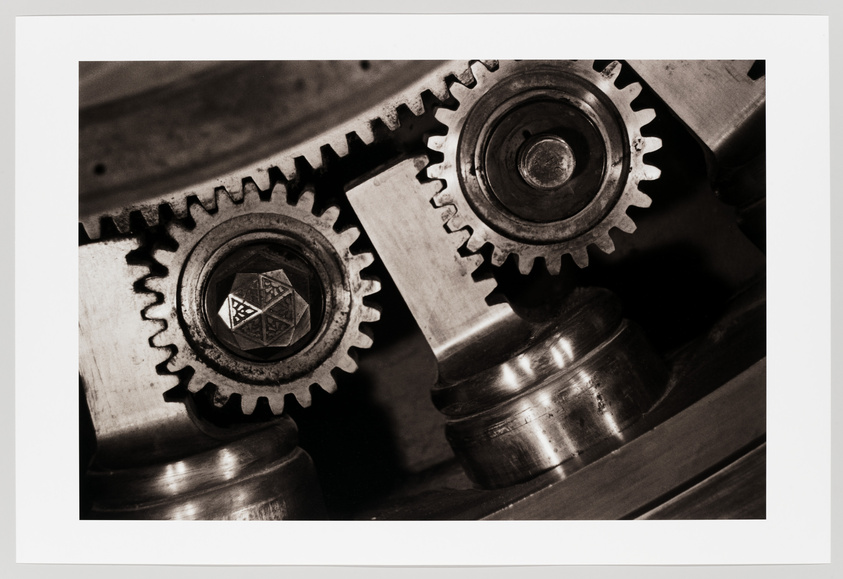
[262,299]
[543,158]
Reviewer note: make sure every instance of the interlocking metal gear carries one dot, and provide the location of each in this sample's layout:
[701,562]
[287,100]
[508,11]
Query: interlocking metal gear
[543,158]
[263,298]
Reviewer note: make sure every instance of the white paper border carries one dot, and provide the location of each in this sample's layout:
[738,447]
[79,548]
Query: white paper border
[798,524]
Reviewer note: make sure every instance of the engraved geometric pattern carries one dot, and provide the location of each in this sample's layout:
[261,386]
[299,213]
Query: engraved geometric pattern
[241,310]
[281,317]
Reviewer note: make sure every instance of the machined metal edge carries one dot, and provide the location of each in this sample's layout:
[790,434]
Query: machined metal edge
[336,139]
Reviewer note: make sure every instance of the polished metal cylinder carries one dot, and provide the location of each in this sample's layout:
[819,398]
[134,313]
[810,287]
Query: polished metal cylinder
[575,389]
[262,476]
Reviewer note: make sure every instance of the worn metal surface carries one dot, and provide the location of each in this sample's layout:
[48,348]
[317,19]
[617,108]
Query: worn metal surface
[448,304]
[725,110]
[242,224]
[521,397]
[240,151]
[155,458]
[498,116]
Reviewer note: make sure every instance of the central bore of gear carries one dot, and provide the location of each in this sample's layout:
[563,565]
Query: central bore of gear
[264,302]
[546,162]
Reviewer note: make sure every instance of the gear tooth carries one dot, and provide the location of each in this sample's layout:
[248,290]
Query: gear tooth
[611,71]
[199,212]
[580,256]
[390,119]
[416,105]
[349,235]
[626,224]
[553,263]
[261,179]
[525,264]
[157,312]
[248,402]
[279,192]
[479,72]
[363,341]
[439,89]
[179,207]
[150,215]
[455,223]
[371,286]
[219,397]
[652,144]
[443,198]
[444,115]
[499,256]
[605,244]
[328,385]
[474,261]
[460,92]
[92,226]
[330,215]
[366,133]
[160,340]
[346,364]
[276,404]
[312,153]
[370,315]
[640,199]
[651,173]
[225,199]
[251,201]
[232,186]
[174,364]
[340,147]
[434,171]
[306,201]
[208,200]
[632,91]
[437,142]
[363,260]
[164,257]
[287,166]
[645,116]
[475,243]
[121,222]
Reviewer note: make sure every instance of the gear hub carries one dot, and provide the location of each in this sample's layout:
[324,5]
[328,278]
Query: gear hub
[263,299]
[543,158]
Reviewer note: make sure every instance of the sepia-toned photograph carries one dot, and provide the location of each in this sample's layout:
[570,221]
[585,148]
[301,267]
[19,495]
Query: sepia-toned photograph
[422,290]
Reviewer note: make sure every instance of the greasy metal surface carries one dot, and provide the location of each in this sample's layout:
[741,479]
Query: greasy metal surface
[331,127]
[263,476]
[467,170]
[236,225]
[725,109]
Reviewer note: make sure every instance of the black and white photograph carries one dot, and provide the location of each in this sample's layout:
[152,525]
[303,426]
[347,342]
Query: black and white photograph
[422,290]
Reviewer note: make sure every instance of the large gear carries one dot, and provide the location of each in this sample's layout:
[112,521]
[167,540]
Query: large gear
[263,298]
[543,158]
